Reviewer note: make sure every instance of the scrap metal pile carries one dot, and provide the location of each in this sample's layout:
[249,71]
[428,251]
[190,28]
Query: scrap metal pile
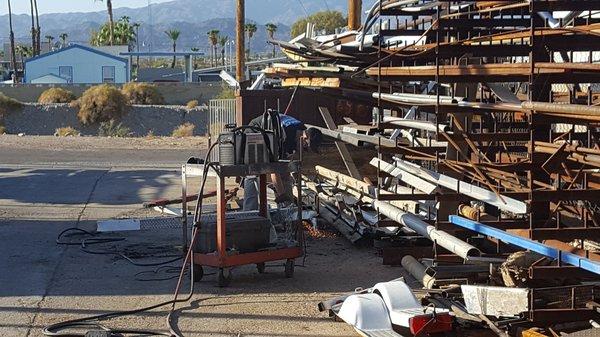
[486,153]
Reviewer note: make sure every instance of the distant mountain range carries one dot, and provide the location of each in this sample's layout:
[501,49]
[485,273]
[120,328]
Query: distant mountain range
[193,17]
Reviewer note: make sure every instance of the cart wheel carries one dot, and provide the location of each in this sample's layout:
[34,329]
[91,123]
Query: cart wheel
[289,268]
[198,273]
[222,280]
[260,267]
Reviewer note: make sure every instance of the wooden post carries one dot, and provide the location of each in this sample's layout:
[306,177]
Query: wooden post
[354,14]
[341,146]
[239,41]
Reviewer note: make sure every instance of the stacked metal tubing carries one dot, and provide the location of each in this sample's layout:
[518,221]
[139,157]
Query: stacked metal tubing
[404,218]
[473,99]
[469,89]
[521,167]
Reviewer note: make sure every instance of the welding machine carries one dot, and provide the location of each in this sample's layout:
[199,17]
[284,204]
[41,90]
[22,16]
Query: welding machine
[240,147]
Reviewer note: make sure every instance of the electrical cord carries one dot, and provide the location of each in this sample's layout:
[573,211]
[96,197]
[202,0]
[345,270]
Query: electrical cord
[54,329]
[165,270]
[84,243]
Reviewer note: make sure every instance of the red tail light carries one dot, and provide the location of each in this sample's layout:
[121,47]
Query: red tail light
[426,324]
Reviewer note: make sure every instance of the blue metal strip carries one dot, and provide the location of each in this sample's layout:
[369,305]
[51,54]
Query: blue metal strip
[534,246]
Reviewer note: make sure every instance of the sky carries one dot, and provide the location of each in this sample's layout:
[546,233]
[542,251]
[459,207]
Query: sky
[64,6]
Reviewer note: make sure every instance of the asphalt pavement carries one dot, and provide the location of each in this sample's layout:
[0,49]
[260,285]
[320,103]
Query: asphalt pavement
[44,191]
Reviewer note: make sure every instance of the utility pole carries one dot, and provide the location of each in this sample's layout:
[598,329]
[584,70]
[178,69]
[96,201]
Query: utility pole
[354,14]
[239,41]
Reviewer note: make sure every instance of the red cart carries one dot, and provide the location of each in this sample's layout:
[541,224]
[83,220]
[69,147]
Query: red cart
[224,259]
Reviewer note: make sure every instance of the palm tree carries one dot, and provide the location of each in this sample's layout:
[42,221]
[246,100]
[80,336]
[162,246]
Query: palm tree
[33,33]
[19,51]
[173,34]
[124,32]
[63,39]
[24,52]
[50,38]
[250,28]
[222,42]
[13,53]
[213,39]
[111,21]
[194,50]
[271,29]
[38,30]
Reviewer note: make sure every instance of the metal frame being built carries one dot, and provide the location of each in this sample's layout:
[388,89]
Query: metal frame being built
[483,109]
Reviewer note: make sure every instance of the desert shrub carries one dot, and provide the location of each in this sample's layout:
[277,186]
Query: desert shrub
[2,130]
[226,93]
[192,104]
[112,129]
[150,135]
[184,130]
[9,103]
[142,93]
[101,103]
[66,131]
[56,95]
[75,104]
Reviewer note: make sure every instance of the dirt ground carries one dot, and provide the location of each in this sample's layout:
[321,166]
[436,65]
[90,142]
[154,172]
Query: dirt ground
[48,184]
[99,143]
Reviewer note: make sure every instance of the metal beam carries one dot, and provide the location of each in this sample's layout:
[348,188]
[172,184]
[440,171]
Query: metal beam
[525,243]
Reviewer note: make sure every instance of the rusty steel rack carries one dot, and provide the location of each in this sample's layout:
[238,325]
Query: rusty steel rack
[494,115]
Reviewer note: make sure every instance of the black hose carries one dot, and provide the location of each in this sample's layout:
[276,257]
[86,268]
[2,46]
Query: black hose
[96,240]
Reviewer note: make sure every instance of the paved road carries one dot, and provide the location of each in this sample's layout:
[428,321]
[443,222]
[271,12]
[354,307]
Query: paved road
[129,158]
[44,191]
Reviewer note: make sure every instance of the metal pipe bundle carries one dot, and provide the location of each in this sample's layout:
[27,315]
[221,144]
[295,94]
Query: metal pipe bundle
[440,237]
[502,202]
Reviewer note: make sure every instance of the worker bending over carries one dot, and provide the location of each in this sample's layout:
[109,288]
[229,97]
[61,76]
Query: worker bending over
[289,130]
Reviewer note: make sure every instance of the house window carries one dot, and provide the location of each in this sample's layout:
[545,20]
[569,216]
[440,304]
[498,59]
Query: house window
[108,74]
[66,72]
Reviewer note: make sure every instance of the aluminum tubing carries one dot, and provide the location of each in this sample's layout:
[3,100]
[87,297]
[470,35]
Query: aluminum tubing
[473,191]
[413,222]
[418,271]
[418,98]
[416,124]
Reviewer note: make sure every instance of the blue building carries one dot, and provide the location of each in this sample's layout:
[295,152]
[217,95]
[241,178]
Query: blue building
[77,64]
